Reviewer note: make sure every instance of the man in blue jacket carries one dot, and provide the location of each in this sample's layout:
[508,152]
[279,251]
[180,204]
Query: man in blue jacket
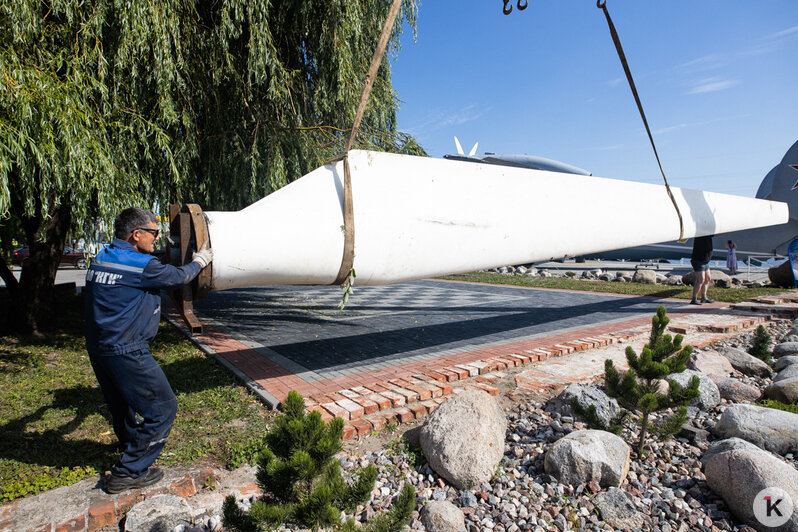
[123,309]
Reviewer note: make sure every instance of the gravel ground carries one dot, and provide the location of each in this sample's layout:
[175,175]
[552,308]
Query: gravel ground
[667,486]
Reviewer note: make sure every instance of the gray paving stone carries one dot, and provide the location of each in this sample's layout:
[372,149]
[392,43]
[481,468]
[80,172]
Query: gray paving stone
[301,329]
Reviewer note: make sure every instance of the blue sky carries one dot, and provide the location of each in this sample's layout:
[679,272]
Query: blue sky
[718,81]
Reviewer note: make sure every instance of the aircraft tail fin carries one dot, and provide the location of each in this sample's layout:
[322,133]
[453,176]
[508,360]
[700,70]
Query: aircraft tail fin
[459,148]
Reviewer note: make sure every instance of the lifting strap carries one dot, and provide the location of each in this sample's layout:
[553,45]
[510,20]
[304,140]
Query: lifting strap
[602,4]
[348,258]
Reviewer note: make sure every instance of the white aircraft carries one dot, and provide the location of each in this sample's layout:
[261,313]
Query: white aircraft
[519,161]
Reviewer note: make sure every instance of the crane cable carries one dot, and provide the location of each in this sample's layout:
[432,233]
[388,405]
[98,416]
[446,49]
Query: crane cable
[602,4]
[347,262]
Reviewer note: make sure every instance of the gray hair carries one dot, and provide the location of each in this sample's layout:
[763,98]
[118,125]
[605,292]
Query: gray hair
[131,219]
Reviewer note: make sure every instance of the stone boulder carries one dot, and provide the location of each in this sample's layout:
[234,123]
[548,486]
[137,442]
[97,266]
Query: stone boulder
[674,280]
[738,475]
[645,277]
[710,363]
[790,372]
[709,394]
[784,391]
[737,391]
[161,513]
[728,444]
[606,408]
[442,516]
[588,455]
[463,439]
[785,361]
[745,363]
[617,510]
[715,275]
[785,349]
[768,428]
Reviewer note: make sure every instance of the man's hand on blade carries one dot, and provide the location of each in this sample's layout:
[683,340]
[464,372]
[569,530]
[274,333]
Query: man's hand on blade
[204,256]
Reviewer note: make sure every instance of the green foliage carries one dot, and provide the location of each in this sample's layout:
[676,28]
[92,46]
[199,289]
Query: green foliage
[28,485]
[672,425]
[591,419]
[300,478]
[116,102]
[246,452]
[639,388]
[392,521]
[106,104]
[770,403]
[760,345]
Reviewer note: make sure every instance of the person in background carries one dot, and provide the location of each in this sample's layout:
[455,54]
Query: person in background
[123,309]
[731,257]
[702,254]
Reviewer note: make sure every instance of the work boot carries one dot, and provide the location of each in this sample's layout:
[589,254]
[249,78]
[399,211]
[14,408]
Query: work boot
[707,300]
[118,483]
[694,301]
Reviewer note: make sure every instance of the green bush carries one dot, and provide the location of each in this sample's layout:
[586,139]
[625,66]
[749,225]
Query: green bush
[301,479]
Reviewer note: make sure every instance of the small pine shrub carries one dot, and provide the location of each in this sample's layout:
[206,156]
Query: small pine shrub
[639,388]
[760,345]
[301,479]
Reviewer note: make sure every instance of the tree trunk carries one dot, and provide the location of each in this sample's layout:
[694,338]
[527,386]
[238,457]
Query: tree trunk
[32,305]
[642,441]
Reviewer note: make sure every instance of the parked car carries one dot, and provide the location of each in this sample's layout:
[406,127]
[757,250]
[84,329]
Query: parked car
[70,257]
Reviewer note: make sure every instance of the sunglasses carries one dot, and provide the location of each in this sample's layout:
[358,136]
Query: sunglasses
[154,232]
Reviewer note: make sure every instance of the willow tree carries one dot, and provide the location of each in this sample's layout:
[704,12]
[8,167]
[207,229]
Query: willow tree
[106,104]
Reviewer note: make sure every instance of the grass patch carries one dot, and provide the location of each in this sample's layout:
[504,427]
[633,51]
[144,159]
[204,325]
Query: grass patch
[770,403]
[55,426]
[728,295]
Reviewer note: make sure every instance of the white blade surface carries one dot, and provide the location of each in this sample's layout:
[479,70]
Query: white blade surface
[418,217]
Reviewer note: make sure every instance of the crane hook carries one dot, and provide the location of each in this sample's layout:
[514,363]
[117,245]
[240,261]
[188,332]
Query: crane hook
[507,9]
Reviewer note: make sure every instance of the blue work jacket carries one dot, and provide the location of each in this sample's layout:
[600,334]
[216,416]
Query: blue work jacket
[123,297]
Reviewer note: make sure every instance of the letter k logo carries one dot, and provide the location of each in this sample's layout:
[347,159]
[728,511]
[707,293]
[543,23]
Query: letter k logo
[772,506]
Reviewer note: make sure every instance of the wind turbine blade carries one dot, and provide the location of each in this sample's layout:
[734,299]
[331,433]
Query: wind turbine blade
[457,143]
[440,218]
[474,149]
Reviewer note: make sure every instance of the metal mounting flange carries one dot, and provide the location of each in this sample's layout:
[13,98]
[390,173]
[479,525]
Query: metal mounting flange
[188,231]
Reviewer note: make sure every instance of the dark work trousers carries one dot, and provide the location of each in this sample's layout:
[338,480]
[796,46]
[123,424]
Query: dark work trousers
[142,405]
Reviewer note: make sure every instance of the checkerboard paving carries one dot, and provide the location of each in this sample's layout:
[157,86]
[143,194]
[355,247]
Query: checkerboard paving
[369,301]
